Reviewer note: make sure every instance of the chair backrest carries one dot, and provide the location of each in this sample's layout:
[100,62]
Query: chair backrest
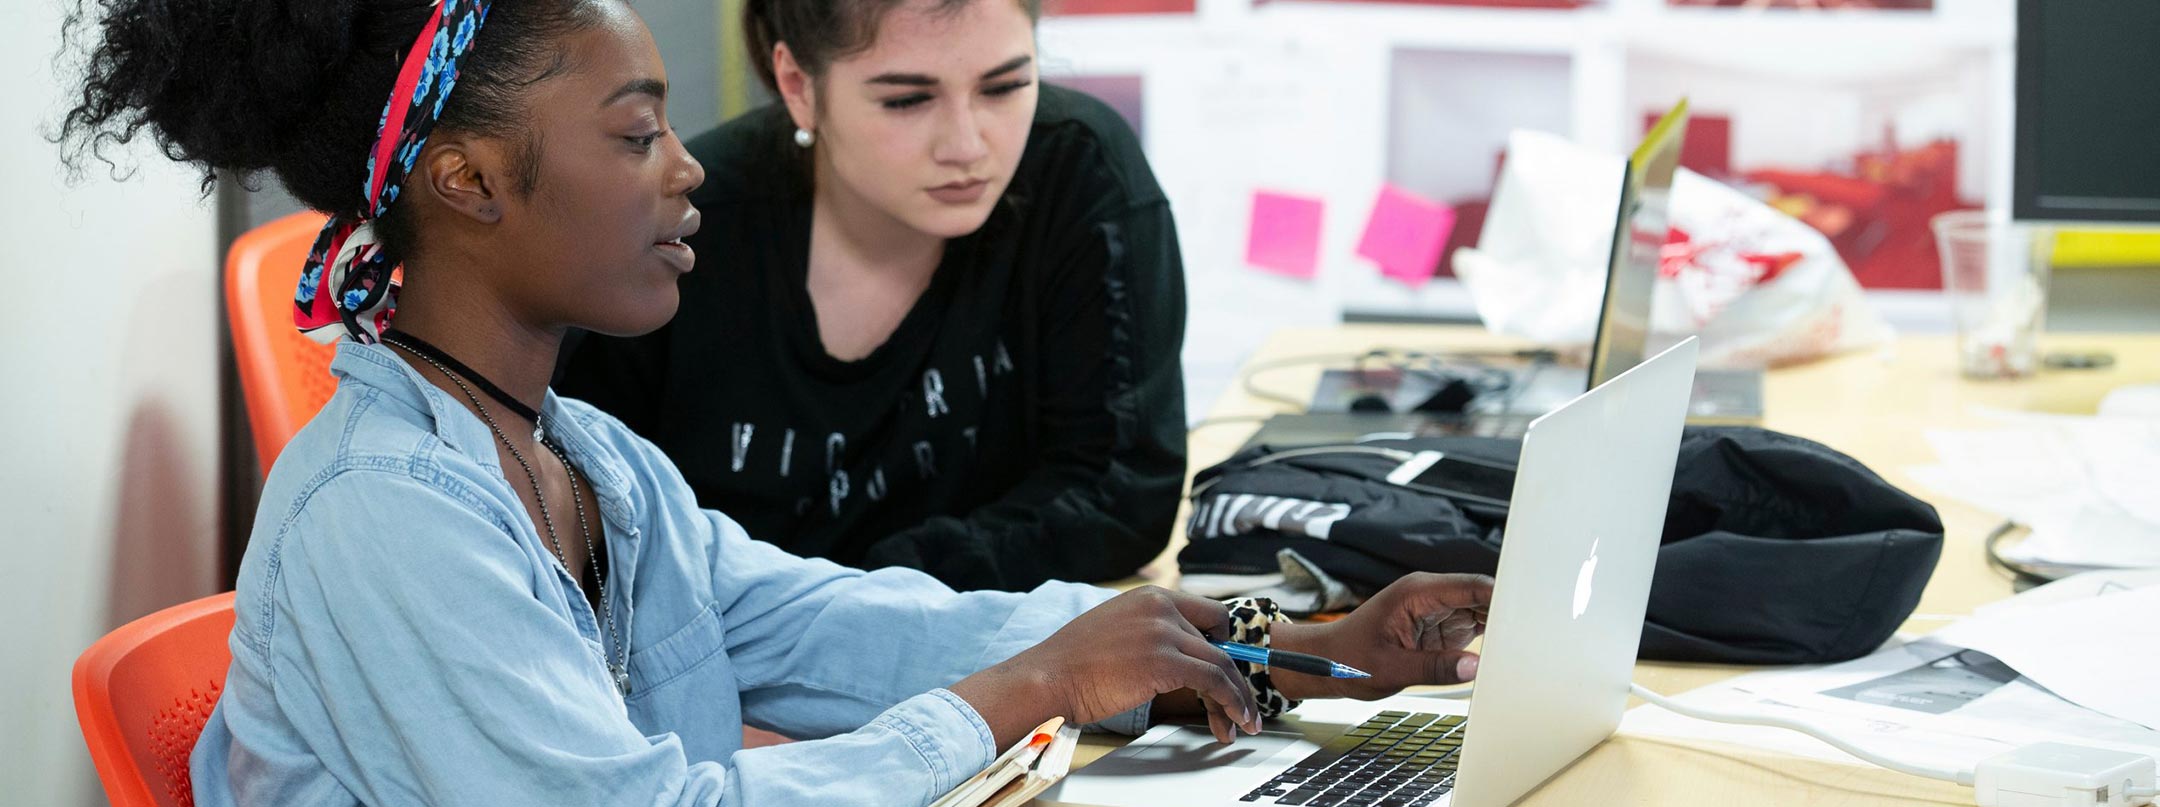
[284,376]
[142,694]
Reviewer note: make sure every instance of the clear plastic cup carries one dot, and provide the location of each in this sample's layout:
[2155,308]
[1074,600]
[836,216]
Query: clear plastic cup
[1995,277]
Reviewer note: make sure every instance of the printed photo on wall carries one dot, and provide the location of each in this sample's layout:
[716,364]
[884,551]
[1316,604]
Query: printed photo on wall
[1864,147]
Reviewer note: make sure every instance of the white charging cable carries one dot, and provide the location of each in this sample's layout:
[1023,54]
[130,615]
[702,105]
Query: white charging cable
[1963,777]
[2043,773]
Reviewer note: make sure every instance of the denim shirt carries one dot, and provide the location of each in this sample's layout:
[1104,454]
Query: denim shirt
[404,636]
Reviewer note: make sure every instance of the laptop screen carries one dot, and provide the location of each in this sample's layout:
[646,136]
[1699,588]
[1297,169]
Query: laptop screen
[1623,331]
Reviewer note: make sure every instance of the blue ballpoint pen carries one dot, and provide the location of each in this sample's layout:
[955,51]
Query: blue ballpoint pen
[1294,662]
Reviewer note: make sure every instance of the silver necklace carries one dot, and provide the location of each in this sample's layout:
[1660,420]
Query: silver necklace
[618,661]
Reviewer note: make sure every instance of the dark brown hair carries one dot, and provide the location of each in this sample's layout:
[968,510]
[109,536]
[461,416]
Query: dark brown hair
[820,31]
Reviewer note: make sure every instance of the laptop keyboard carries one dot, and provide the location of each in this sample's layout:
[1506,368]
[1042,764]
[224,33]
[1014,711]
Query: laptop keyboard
[1396,759]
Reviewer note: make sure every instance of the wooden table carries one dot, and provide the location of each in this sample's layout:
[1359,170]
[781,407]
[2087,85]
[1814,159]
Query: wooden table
[1873,405]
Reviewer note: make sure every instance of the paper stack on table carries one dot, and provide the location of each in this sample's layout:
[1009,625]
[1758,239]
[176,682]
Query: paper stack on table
[2101,652]
[2085,485]
[1931,701]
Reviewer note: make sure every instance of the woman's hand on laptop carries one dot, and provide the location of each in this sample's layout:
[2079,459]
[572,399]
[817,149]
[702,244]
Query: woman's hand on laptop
[1411,633]
[1117,656]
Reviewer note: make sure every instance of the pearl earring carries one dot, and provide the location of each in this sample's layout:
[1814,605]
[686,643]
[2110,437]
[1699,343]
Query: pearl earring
[804,138]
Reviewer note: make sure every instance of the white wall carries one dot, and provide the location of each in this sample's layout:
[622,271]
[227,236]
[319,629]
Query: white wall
[1450,113]
[108,410]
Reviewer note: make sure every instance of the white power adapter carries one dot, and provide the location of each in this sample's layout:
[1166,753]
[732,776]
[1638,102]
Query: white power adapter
[2064,775]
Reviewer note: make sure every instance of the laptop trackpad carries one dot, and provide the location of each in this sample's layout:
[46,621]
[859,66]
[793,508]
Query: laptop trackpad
[1191,749]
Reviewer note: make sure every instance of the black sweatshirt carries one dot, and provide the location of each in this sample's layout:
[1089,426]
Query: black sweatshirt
[1025,422]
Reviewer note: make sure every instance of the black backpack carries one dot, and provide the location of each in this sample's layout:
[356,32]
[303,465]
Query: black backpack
[1777,550]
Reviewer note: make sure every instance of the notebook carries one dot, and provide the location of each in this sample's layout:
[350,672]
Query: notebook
[1024,770]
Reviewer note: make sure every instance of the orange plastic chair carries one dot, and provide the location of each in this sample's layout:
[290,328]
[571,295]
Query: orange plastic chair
[143,693]
[284,376]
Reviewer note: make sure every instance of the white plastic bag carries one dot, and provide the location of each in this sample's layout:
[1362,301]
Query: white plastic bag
[1757,285]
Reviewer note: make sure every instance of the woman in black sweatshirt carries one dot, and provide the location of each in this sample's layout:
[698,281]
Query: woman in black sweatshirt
[940,314]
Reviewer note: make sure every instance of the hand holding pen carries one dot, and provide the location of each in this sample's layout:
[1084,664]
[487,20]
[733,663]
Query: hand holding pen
[1293,662]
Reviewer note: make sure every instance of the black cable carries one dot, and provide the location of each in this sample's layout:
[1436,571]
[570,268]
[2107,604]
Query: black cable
[1486,382]
[1495,379]
[1489,380]
[2023,573]
[1537,365]
[1245,379]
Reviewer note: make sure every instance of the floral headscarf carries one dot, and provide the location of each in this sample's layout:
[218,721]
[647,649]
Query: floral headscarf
[348,281]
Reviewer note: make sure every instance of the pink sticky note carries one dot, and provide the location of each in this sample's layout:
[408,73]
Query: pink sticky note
[1405,234]
[1285,236]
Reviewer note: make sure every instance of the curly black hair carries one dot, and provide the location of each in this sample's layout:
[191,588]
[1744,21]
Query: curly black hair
[296,87]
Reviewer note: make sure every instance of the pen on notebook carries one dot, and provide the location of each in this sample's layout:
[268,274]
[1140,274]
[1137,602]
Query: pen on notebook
[1294,662]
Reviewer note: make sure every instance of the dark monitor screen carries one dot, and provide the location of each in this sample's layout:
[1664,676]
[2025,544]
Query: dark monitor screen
[2088,111]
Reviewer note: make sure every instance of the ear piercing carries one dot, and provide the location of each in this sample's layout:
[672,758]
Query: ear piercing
[805,138]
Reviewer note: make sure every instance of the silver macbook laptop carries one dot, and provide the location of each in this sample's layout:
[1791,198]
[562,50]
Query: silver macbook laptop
[1621,340]
[1574,580]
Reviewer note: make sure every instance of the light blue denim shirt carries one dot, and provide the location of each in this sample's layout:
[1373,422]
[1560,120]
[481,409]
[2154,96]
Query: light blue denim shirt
[404,636]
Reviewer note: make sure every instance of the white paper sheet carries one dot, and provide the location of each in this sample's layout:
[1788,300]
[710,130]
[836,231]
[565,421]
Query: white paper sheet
[1991,721]
[2075,587]
[2136,400]
[1931,702]
[2085,485]
[2100,652]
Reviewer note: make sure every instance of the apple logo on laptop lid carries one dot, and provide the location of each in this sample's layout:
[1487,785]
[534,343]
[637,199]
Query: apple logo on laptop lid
[1583,579]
